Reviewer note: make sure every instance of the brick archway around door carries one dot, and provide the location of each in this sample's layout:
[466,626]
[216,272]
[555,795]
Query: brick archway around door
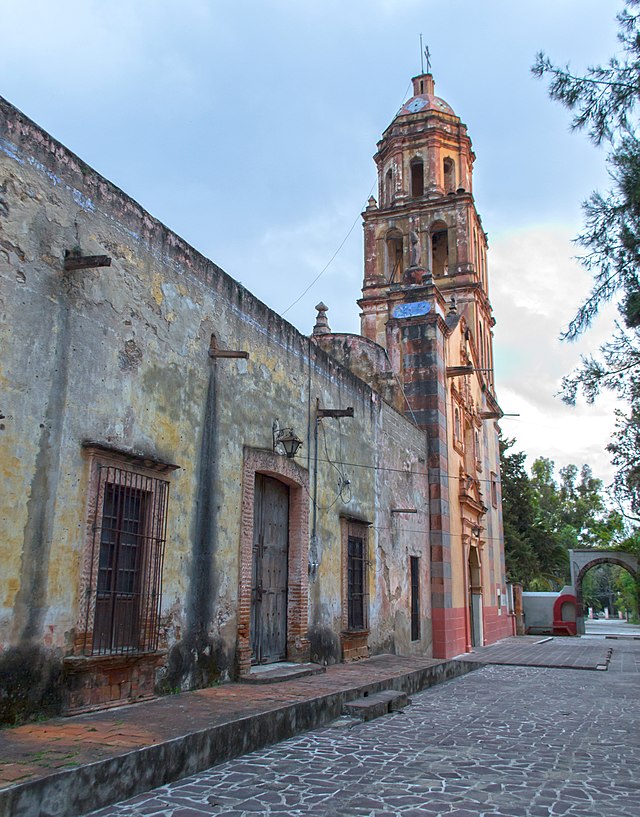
[258,461]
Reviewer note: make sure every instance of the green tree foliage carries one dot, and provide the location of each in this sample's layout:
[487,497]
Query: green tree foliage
[612,587]
[518,515]
[604,101]
[544,518]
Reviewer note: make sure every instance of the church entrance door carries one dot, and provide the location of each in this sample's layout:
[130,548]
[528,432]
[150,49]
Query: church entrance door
[475,598]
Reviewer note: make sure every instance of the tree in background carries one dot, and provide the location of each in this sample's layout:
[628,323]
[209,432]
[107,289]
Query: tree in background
[533,554]
[543,518]
[604,102]
[518,516]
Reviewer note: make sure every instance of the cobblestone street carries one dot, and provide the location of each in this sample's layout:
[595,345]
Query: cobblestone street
[503,740]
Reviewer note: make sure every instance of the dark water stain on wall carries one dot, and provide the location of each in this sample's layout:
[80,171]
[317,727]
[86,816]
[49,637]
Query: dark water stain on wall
[324,646]
[31,599]
[196,660]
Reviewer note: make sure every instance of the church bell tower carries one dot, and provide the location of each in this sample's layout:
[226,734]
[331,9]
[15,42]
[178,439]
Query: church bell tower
[425,301]
[424,228]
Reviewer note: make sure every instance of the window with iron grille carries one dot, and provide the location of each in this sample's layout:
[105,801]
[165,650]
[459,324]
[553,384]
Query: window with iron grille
[357,579]
[415,597]
[127,553]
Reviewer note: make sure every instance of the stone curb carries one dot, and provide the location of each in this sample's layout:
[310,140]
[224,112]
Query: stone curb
[77,791]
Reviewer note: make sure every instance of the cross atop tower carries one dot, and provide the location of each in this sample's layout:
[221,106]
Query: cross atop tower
[425,54]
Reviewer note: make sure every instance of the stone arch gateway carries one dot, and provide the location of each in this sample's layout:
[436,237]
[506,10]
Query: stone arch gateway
[582,561]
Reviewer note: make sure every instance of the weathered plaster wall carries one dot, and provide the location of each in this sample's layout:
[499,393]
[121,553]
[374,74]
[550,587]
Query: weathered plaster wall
[119,355]
[366,359]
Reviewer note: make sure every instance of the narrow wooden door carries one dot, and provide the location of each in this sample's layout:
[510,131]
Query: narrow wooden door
[270,571]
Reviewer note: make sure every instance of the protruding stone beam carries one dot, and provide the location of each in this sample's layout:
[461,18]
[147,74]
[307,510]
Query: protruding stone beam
[75,261]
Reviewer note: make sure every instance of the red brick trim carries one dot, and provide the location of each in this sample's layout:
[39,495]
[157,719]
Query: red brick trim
[449,631]
[257,461]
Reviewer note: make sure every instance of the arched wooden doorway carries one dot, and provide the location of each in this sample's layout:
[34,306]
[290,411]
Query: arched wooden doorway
[475,598]
[273,603]
[269,570]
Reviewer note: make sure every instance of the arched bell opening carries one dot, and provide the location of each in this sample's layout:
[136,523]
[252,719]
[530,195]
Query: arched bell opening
[417,178]
[394,256]
[440,250]
[449,173]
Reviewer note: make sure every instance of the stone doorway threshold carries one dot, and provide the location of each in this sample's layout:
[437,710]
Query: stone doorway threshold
[281,671]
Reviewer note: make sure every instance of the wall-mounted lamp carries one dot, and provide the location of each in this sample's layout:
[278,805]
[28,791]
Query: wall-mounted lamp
[476,530]
[286,440]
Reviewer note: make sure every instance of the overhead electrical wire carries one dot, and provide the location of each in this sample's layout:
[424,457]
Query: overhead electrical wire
[403,471]
[329,262]
[342,243]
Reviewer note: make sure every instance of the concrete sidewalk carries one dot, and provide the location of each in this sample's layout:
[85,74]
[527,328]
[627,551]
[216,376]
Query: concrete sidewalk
[69,766]
[547,651]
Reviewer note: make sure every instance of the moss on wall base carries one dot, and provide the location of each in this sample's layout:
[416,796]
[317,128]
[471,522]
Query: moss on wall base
[325,646]
[30,684]
[195,664]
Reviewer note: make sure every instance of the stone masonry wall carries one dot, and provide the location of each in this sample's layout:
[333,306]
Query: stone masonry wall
[118,356]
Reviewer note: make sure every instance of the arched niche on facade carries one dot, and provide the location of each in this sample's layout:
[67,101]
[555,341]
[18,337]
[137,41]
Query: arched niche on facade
[416,177]
[393,255]
[449,174]
[388,192]
[469,446]
[439,234]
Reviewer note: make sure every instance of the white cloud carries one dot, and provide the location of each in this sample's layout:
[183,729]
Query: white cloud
[536,288]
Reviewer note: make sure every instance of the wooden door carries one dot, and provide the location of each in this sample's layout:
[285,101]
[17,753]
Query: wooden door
[269,571]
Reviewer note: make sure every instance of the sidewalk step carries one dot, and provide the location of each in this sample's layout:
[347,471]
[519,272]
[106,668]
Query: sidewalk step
[373,706]
[277,673]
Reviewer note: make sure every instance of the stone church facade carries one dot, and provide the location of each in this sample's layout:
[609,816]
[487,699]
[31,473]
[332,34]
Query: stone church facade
[156,535]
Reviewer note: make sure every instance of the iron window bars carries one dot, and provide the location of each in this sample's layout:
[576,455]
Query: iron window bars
[357,583]
[127,553]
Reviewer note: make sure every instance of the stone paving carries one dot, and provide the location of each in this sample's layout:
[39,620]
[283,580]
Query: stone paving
[503,741]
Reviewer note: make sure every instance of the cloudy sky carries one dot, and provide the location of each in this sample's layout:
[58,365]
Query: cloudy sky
[248,128]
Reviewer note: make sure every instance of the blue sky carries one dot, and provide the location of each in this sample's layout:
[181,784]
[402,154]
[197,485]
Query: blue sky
[249,129]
